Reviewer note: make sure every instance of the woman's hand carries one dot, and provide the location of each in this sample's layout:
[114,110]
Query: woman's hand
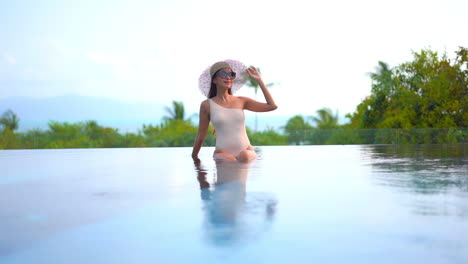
[252,71]
[196,160]
[253,105]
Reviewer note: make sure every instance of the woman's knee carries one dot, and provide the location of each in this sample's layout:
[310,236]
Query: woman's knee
[246,155]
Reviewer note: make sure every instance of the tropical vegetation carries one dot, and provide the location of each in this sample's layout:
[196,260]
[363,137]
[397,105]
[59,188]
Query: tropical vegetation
[421,101]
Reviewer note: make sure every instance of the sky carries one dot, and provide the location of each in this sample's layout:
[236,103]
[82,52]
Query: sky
[318,53]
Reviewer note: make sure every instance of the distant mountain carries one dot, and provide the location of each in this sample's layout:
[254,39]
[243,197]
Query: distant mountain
[72,108]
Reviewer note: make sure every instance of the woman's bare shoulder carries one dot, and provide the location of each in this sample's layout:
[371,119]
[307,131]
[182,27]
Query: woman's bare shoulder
[205,106]
[205,102]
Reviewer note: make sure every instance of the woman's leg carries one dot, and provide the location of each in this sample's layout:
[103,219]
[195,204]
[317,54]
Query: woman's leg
[220,154]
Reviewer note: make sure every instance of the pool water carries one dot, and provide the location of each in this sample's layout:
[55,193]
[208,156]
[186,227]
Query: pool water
[293,204]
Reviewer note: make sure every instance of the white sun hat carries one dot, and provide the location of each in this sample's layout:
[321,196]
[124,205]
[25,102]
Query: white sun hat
[204,82]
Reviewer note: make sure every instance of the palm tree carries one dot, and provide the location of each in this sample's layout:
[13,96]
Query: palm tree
[253,84]
[326,119]
[177,112]
[9,120]
[382,69]
[297,130]
[382,78]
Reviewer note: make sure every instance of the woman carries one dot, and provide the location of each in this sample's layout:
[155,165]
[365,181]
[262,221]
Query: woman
[225,110]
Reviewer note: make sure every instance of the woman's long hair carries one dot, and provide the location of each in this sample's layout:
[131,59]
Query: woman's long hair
[213,89]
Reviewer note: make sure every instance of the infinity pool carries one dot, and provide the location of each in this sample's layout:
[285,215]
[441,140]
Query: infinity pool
[294,204]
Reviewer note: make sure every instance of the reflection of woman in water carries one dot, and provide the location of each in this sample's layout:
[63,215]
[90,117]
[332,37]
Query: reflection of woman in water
[225,110]
[232,214]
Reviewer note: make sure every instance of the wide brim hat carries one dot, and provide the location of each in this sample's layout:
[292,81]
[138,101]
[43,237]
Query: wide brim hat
[204,82]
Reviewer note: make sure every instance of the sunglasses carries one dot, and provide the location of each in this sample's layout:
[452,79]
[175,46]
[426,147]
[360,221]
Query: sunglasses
[225,74]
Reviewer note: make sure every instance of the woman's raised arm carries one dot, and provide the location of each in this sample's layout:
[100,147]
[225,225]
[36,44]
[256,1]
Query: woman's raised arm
[256,106]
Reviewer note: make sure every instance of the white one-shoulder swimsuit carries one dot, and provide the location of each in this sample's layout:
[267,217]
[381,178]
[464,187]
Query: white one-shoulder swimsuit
[229,123]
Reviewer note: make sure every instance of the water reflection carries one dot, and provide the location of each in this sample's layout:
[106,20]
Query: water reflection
[232,214]
[424,169]
[434,176]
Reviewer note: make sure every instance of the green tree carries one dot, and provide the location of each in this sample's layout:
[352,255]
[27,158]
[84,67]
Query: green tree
[102,137]
[67,135]
[34,139]
[431,91]
[9,120]
[177,112]
[170,133]
[132,140]
[297,130]
[269,137]
[8,139]
[325,119]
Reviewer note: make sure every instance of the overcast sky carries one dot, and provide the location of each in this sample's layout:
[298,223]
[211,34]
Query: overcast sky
[148,50]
